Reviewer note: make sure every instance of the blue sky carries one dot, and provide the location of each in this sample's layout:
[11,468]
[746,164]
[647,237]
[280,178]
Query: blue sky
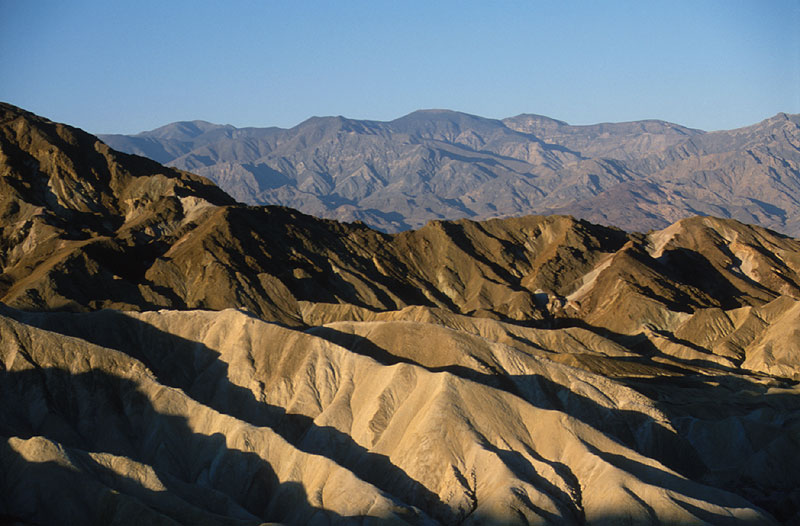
[124,67]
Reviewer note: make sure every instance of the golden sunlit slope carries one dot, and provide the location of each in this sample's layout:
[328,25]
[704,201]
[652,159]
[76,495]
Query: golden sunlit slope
[278,424]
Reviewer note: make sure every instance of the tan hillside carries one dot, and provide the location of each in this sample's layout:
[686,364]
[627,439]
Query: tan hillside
[278,425]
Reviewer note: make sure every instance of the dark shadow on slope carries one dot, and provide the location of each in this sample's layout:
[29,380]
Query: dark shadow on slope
[34,187]
[456,232]
[772,210]
[365,347]
[569,510]
[692,268]
[198,371]
[659,478]
[320,246]
[695,393]
[178,362]
[102,413]
[695,403]
[626,427]
[647,352]
[266,177]
[459,151]
[633,429]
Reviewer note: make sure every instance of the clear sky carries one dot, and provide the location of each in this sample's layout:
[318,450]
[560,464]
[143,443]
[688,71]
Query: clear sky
[123,67]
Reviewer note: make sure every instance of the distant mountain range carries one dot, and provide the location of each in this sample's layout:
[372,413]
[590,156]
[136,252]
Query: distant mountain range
[439,164]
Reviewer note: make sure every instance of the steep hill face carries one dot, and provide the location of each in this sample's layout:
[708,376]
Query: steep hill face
[230,364]
[80,221]
[438,164]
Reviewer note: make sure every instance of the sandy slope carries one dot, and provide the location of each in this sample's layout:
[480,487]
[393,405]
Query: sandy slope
[275,424]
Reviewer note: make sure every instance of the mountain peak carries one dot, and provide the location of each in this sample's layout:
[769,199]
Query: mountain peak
[433,112]
[536,117]
[440,114]
[184,130]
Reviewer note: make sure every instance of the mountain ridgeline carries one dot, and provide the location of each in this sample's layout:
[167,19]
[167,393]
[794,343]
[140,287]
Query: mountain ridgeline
[446,165]
[170,356]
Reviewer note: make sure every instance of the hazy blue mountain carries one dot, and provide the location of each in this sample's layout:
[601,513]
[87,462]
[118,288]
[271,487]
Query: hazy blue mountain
[440,164]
